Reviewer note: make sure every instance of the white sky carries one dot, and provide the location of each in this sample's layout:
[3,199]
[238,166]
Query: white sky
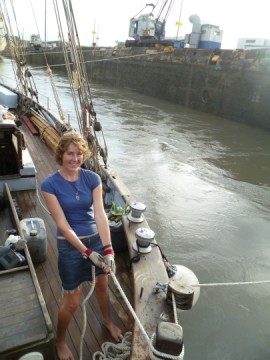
[237,18]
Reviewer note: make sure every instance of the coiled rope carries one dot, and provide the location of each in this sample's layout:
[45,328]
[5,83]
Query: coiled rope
[119,351]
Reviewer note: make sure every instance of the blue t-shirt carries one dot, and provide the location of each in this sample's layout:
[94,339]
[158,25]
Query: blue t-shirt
[79,211]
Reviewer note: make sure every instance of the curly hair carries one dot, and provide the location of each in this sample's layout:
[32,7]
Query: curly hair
[71,137]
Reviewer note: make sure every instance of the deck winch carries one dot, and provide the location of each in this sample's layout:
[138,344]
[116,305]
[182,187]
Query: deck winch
[183,295]
[181,284]
[144,237]
[137,209]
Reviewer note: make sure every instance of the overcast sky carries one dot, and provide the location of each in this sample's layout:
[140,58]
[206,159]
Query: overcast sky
[110,18]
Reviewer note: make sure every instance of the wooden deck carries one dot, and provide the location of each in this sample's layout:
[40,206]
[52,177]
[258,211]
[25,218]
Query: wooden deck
[25,322]
[47,272]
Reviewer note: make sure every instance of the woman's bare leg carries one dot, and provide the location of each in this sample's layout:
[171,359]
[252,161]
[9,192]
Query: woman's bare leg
[102,294]
[69,306]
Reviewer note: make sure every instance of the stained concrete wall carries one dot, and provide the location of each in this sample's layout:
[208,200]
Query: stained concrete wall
[237,88]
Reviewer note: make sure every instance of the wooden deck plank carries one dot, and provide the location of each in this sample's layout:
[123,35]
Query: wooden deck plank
[30,125]
[21,303]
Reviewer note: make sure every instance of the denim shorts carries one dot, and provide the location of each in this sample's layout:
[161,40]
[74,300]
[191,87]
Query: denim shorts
[73,268]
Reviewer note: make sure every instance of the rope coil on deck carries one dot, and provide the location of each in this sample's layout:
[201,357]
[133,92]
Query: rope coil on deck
[119,351]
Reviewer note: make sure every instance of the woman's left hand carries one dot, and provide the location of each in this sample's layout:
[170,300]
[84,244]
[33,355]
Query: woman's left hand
[109,259]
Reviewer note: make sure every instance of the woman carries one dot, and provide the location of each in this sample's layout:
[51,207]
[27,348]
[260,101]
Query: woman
[74,198]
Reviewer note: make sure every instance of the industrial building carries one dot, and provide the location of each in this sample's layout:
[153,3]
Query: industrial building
[203,36]
[253,43]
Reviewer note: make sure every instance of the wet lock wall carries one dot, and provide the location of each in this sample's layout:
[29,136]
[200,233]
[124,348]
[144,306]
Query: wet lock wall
[233,84]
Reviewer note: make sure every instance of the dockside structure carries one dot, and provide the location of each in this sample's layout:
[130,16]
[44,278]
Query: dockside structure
[233,84]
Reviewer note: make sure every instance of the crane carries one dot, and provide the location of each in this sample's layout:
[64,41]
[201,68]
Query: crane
[148,30]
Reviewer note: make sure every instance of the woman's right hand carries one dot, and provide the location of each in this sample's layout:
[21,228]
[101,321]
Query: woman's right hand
[94,257]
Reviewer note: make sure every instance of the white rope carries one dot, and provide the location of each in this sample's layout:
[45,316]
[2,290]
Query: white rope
[174,308]
[151,348]
[120,351]
[103,60]
[233,283]
[84,309]
[39,198]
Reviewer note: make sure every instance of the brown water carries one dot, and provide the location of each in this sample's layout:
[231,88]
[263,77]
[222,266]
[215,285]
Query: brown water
[206,184]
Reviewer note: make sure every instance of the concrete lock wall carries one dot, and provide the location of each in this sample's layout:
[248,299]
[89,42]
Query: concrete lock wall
[231,84]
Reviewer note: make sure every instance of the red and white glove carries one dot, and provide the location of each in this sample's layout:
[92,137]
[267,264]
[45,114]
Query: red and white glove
[95,258]
[109,257]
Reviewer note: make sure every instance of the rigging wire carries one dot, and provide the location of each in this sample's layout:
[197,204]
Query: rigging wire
[32,90]
[67,63]
[77,74]
[86,93]
[10,41]
[88,115]
[49,72]
[108,59]
[24,80]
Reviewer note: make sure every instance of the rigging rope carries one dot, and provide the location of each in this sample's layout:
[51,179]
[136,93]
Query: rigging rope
[87,118]
[23,76]
[109,59]
[49,72]
[67,63]
[233,283]
[58,103]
